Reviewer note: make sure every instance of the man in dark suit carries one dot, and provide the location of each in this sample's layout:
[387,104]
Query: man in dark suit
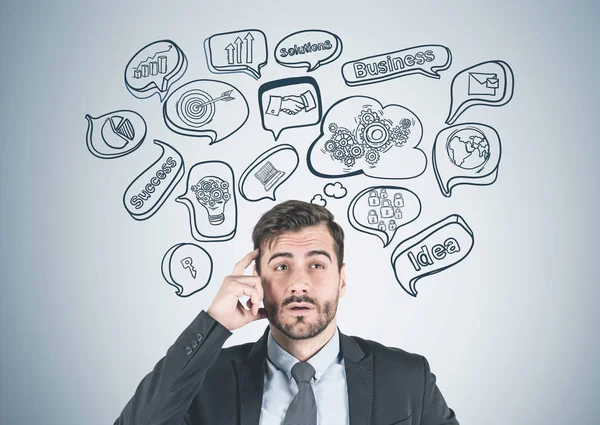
[303,371]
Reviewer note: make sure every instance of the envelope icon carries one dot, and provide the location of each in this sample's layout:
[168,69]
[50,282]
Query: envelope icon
[483,84]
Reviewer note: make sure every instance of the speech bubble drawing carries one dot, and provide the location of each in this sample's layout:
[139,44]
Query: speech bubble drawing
[335,190]
[439,246]
[267,172]
[361,136]
[427,60]
[149,191]
[188,268]
[319,200]
[466,153]
[119,133]
[382,210]
[154,69]
[488,83]
[242,51]
[289,103]
[211,203]
[206,108]
[308,48]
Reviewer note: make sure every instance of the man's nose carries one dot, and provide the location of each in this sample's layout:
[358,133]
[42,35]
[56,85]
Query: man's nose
[300,282]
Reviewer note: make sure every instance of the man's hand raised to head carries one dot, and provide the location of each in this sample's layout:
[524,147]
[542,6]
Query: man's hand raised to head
[227,309]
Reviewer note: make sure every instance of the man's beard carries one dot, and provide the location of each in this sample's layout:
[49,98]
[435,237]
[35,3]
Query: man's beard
[325,315]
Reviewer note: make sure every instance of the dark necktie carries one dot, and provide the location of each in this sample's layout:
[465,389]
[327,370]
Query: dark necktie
[303,408]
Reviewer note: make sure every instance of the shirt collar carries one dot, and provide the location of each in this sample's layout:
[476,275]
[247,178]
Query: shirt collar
[284,361]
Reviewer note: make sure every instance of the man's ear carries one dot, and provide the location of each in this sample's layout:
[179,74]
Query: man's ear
[343,280]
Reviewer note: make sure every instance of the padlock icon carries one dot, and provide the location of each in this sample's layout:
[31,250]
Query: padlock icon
[386,209]
[382,225]
[392,225]
[372,217]
[398,200]
[397,213]
[373,199]
[383,194]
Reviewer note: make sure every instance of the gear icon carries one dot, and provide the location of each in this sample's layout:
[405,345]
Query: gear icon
[372,157]
[343,137]
[400,135]
[357,151]
[329,146]
[368,116]
[377,135]
[349,161]
[333,127]
[339,154]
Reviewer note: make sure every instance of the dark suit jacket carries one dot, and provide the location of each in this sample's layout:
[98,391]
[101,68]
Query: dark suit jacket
[200,383]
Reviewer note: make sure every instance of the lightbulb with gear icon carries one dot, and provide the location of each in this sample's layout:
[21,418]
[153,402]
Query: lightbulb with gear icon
[213,194]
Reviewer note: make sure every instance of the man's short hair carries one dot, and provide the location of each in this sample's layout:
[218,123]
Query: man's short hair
[294,216]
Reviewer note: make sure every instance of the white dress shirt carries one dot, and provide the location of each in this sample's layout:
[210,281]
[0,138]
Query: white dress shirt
[329,384]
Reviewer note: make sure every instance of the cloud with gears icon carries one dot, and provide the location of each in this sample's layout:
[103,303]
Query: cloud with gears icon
[361,136]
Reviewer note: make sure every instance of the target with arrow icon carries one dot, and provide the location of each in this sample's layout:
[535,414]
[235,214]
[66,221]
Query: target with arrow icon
[206,108]
[197,108]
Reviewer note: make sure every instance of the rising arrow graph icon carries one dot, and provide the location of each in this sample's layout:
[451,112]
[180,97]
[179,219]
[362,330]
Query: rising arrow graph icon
[239,43]
[234,50]
[249,47]
[230,54]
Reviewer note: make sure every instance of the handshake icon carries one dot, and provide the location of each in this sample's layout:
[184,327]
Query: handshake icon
[291,105]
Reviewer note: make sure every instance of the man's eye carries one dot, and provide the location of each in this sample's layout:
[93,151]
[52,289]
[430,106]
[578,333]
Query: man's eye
[281,267]
[318,266]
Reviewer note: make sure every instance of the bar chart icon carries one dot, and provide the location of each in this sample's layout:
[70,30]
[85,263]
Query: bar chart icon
[154,68]
[151,67]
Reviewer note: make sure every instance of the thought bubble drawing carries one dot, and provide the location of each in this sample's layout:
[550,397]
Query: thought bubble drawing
[149,191]
[427,60]
[268,172]
[206,108]
[319,200]
[187,267]
[242,51]
[382,210]
[154,69]
[488,83]
[439,246]
[289,103]
[211,203]
[115,134]
[309,49]
[359,135]
[335,190]
[466,153]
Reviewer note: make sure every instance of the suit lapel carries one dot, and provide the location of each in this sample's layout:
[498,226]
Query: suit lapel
[251,375]
[359,378]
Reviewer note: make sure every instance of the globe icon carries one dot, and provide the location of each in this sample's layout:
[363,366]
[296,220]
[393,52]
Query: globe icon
[468,148]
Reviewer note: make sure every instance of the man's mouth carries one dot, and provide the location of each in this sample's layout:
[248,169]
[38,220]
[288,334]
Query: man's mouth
[300,307]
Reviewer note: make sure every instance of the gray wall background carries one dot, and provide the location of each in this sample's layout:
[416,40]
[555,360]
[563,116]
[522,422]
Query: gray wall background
[85,313]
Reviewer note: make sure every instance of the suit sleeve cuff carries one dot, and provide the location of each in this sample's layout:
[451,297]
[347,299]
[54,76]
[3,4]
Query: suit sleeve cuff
[202,327]
[274,105]
[308,100]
